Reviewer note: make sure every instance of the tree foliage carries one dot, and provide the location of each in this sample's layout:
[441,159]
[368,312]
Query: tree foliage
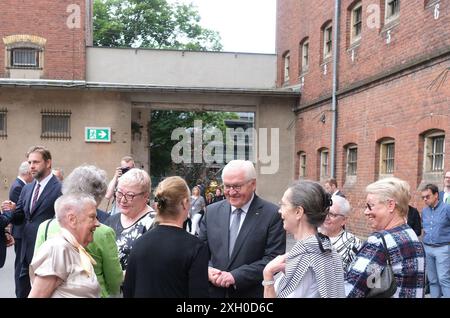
[163,123]
[151,24]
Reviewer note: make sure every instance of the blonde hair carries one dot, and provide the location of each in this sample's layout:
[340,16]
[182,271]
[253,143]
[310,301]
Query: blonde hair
[168,195]
[137,177]
[392,188]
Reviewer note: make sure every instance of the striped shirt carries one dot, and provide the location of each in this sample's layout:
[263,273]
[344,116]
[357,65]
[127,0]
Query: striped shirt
[408,263]
[347,245]
[314,262]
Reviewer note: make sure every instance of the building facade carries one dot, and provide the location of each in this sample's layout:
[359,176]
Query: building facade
[389,111]
[54,85]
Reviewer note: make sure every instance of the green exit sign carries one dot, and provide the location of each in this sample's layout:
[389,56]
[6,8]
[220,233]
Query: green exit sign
[97,134]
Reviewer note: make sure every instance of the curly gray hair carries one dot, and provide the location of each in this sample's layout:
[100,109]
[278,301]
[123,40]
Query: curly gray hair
[86,179]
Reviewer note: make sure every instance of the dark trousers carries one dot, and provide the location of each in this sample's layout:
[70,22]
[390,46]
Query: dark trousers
[24,287]
[17,264]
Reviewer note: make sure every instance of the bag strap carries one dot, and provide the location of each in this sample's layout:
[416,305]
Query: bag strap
[46,229]
[386,252]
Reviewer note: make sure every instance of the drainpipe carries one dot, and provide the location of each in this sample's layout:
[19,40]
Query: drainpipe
[336,32]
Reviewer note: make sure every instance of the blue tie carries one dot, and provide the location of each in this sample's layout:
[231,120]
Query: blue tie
[234,229]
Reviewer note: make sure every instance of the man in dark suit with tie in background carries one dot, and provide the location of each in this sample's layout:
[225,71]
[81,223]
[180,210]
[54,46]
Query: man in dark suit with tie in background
[243,233]
[23,178]
[35,205]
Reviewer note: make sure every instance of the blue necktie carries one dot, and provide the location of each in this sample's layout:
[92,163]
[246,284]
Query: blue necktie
[234,229]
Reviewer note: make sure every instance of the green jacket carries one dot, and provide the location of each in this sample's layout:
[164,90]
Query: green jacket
[103,250]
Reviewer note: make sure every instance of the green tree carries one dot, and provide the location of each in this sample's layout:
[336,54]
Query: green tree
[161,126]
[151,24]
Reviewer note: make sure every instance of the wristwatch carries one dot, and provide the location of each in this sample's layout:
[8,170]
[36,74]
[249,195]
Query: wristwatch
[268,282]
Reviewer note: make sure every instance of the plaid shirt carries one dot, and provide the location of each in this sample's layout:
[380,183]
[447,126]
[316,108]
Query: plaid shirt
[408,263]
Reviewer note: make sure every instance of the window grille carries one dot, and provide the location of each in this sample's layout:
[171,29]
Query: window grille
[55,124]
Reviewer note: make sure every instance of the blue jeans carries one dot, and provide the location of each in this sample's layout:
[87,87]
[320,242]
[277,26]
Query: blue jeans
[438,270]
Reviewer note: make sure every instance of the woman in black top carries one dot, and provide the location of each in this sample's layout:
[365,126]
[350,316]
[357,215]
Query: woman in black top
[168,262]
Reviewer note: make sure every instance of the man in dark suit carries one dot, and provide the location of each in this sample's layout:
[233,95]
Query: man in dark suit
[23,178]
[243,233]
[35,206]
[332,188]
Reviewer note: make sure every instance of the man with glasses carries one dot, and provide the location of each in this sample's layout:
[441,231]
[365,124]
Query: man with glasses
[436,239]
[243,233]
[345,243]
[136,216]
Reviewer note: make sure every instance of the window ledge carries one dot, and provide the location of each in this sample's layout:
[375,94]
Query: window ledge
[350,180]
[326,60]
[385,175]
[391,23]
[354,45]
[432,3]
[303,73]
[24,68]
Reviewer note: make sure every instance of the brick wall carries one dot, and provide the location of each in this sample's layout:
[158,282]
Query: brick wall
[392,97]
[64,52]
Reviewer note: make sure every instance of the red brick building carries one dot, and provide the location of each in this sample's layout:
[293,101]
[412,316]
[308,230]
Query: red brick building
[392,95]
[48,41]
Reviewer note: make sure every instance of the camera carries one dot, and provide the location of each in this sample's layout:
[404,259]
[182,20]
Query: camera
[125,169]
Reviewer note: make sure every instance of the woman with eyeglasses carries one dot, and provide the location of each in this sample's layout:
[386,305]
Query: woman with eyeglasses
[344,242]
[393,241]
[312,268]
[136,216]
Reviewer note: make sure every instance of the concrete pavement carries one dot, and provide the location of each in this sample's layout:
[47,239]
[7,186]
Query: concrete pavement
[7,275]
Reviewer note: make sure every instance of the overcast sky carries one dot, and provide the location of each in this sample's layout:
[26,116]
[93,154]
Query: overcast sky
[244,25]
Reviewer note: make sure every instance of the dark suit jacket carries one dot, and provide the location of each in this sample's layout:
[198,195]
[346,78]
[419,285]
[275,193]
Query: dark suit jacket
[260,239]
[414,220]
[42,210]
[4,221]
[14,194]
[339,193]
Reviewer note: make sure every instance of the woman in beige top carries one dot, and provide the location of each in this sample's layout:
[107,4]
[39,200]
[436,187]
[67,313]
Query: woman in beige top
[62,267]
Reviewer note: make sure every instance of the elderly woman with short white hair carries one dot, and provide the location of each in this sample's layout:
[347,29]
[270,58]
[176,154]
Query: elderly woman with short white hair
[344,242]
[62,268]
[393,243]
[136,216]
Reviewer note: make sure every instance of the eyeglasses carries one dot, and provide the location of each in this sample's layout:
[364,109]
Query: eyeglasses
[236,187]
[334,215]
[370,207]
[129,196]
[426,197]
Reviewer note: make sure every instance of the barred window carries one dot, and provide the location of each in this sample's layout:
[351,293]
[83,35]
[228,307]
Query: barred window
[327,34]
[392,8]
[435,153]
[324,163]
[3,132]
[56,124]
[287,62]
[356,18]
[302,165]
[352,158]
[25,57]
[387,157]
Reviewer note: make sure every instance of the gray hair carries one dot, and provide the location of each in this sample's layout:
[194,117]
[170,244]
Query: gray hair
[24,168]
[245,165]
[342,204]
[392,188]
[138,177]
[86,179]
[73,202]
[313,198]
